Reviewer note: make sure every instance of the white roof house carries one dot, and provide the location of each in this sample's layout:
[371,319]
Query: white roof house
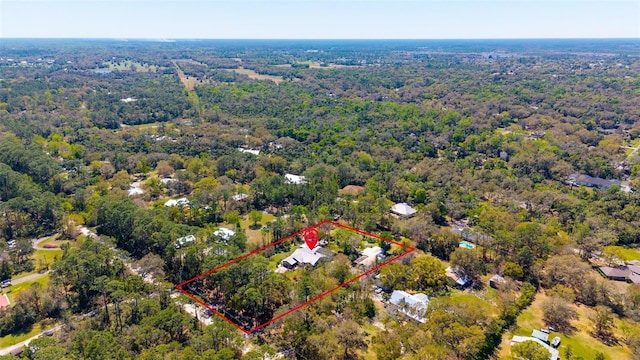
[294,179]
[184,240]
[224,233]
[249,151]
[303,255]
[369,256]
[372,251]
[178,202]
[414,306]
[403,209]
[239,197]
[133,190]
[554,354]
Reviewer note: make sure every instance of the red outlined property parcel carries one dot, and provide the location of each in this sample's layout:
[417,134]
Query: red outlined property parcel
[365,253]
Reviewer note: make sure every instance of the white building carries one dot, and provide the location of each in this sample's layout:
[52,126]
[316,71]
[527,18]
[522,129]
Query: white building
[303,255]
[403,210]
[414,306]
[224,233]
[294,179]
[249,151]
[239,197]
[180,242]
[369,256]
[178,202]
[554,354]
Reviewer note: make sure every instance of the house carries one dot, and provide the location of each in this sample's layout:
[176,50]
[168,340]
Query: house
[249,151]
[495,281]
[554,354]
[182,241]
[628,272]
[413,306]
[593,182]
[458,276]
[134,190]
[294,179]
[303,255]
[178,202]
[352,190]
[540,335]
[239,197]
[224,233]
[369,256]
[403,210]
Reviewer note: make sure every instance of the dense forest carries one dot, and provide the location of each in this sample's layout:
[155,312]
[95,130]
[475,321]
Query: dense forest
[124,165]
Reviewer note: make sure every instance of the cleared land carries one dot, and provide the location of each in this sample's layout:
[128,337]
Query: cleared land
[581,341]
[257,76]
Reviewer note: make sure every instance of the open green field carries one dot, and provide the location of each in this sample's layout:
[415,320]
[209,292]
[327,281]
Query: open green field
[623,253]
[254,237]
[257,76]
[42,259]
[13,290]
[581,342]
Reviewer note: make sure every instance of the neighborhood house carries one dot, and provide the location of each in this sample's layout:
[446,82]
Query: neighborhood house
[180,242]
[294,179]
[369,256]
[303,255]
[403,210]
[414,306]
[224,233]
[629,272]
[178,202]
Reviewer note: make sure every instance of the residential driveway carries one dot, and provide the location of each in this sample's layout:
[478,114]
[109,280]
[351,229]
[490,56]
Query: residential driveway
[29,278]
[36,243]
[8,349]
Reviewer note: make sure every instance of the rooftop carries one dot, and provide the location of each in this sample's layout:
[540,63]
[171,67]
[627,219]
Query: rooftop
[178,202]
[403,209]
[294,179]
[555,354]
[224,233]
[305,256]
[416,305]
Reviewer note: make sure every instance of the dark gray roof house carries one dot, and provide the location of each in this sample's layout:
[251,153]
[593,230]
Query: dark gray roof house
[589,181]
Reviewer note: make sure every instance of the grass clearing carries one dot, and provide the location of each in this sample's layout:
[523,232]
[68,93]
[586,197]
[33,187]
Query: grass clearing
[257,76]
[624,253]
[581,341]
[254,237]
[13,290]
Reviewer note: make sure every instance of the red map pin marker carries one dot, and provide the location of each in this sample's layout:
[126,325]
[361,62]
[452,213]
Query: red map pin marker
[311,237]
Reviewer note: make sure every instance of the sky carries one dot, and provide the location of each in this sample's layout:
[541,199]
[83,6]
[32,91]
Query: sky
[320,19]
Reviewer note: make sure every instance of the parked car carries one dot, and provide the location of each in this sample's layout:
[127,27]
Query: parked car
[5,283]
[555,342]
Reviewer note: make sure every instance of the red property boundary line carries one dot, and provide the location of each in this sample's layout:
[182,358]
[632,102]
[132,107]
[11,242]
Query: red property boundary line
[180,285]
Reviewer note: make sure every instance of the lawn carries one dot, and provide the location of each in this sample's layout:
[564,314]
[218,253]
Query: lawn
[624,253]
[254,237]
[256,76]
[16,338]
[41,259]
[581,342]
[13,290]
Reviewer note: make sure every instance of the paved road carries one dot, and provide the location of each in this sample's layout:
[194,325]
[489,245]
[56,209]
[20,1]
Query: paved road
[36,242]
[29,277]
[8,349]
